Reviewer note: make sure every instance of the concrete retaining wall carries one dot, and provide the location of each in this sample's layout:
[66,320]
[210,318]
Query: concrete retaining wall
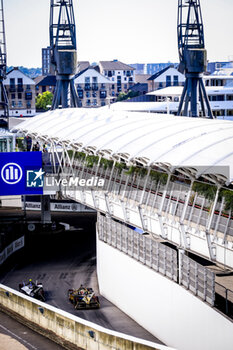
[164,308]
[67,329]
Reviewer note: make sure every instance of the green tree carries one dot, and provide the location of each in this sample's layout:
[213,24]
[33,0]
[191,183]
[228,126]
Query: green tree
[44,100]
[125,96]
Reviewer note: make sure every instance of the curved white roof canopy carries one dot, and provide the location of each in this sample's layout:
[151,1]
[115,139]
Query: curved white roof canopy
[197,146]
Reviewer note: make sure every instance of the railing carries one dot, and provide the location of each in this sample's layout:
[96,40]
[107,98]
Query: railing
[224,299]
[157,256]
[131,189]
[153,254]
[198,279]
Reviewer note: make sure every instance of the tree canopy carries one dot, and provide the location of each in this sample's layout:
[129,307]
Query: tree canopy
[44,100]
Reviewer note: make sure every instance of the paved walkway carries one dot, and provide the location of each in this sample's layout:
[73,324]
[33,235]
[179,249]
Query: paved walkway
[15,336]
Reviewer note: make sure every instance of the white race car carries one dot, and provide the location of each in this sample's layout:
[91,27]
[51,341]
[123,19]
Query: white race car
[32,289]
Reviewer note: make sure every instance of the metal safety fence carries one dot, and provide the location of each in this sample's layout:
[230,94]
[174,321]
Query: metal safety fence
[153,254]
[196,278]
[131,187]
[224,299]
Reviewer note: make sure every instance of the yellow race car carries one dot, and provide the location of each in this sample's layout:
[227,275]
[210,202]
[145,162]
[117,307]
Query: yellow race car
[83,298]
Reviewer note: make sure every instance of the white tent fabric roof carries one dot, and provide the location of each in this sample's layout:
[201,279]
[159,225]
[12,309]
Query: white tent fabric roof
[175,142]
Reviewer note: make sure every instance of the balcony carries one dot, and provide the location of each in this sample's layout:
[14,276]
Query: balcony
[87,87]
[103,94]
[20,88]
[12,88]
[95,87]
[28,96]
[80,93]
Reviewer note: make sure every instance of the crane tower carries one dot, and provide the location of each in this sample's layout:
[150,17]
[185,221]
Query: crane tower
[63,52]
[4,107]
[193,59]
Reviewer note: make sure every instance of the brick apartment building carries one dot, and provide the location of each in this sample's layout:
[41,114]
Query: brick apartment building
[21,93]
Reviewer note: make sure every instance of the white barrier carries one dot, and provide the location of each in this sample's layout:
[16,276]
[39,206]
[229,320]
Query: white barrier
[11,248]
[164,308]
[65,207]
[64,327]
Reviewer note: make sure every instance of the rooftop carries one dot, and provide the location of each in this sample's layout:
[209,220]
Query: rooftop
[195,145]
[115,65]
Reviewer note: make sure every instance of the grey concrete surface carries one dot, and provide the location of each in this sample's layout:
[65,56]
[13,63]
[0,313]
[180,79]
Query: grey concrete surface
[15,336]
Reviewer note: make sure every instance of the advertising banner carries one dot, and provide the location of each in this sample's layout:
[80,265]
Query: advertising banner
[21,173]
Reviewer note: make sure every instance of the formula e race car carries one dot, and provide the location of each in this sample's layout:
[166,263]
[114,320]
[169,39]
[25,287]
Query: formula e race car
[83,298]
[32,289]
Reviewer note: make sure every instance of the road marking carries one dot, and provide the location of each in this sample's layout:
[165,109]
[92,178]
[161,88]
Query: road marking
[18,337]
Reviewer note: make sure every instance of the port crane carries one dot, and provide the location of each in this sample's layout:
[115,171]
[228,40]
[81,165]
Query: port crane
[63,52]
[4,105]
[193,60]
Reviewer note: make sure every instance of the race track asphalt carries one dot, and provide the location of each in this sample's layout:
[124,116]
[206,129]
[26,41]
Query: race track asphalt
[65,260]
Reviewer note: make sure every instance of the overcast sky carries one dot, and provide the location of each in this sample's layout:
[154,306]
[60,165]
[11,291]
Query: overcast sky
[128,30]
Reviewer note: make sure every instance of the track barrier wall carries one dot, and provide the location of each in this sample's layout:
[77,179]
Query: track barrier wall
[164,308]
[66,329]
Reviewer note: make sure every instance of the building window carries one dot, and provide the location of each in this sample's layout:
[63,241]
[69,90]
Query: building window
[88,103]
[28,104]
[20,104]
[168,80]
[113,93]
[176,80]
[125,79]
[125,86]
[13,104]
[229,97]
[94,79]
[95,102]
[102,86]
[110,74]
[88,94]
[19,95]
[80,93]
[79,86]
[160,85]
[87,84]
[103,94]
[94,94]
[28,87]
[28,96]
[113,86]
[13,96]
[12,84]
[102,103]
